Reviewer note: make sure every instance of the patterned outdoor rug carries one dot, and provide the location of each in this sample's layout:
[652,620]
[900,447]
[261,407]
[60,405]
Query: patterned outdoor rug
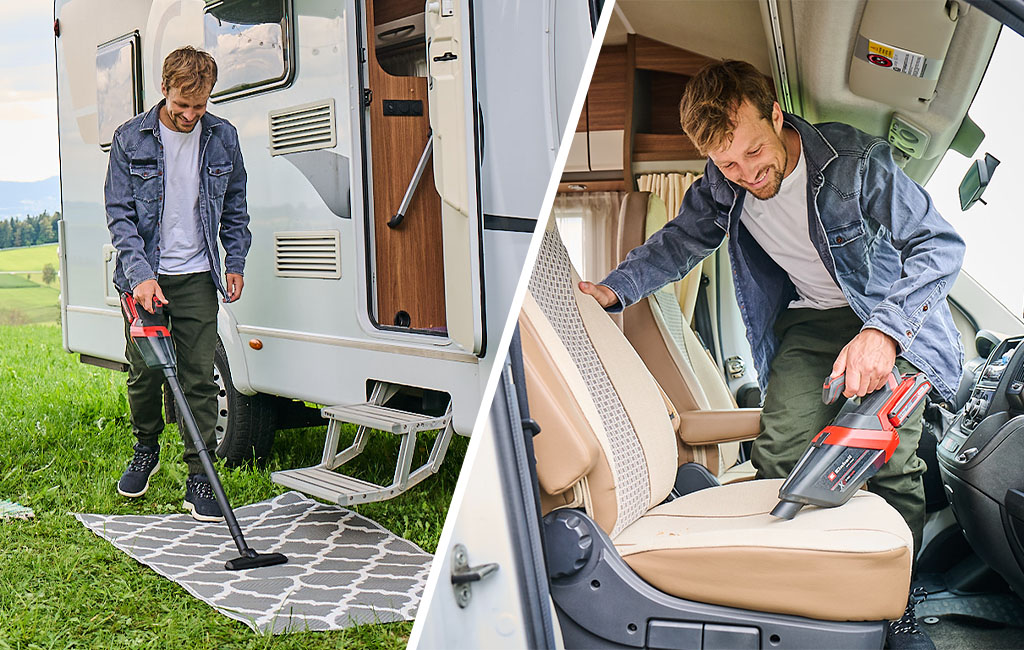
[343,569]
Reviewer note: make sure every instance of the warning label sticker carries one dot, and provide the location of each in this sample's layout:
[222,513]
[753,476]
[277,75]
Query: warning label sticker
[897,60]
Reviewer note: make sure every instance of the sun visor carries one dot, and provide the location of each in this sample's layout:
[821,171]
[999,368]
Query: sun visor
[899,51]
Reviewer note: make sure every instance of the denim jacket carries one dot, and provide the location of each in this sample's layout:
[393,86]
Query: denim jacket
[878,234]
[134,192]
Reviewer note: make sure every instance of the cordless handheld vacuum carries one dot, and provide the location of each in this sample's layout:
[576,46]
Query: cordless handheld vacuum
[153,339]
[854,447]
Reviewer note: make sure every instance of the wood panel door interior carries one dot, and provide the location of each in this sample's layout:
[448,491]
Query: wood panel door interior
[408,262]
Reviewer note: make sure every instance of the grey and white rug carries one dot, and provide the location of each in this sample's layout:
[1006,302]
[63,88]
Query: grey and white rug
[343,569]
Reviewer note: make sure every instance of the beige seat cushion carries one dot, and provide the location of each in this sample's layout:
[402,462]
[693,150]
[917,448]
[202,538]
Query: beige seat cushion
[720,546]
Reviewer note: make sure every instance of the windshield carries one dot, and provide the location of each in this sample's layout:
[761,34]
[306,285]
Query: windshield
[994,232]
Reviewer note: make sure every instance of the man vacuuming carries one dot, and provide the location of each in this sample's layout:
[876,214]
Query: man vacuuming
[175,184]
[841,265]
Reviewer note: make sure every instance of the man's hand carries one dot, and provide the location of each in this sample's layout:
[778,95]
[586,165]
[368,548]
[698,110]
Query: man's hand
[604,296]
[867,361]
[234,284]
[146,291]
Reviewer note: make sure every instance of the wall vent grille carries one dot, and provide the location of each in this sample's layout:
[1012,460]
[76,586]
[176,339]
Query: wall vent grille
[303,128]
[308,254]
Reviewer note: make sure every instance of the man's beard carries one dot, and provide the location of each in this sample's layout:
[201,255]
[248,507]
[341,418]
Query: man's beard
[769,189]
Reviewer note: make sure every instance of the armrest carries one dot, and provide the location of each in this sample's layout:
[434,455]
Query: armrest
[715,427]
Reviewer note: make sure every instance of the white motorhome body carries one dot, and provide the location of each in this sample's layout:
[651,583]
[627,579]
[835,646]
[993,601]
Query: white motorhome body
[336,301]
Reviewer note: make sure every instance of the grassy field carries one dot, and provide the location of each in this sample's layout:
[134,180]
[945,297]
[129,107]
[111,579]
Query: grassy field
[64,441]
[24,298]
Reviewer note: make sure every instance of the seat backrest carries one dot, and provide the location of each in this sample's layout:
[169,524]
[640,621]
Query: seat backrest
[659,329]
[603,421]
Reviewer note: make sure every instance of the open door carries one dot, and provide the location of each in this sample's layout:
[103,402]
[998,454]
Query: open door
[408,291]
[452,99]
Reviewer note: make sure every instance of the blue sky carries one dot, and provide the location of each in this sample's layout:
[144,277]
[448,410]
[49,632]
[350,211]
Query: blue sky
[28,105]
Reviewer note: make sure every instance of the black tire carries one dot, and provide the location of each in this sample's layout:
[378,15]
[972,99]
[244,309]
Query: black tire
[245,428]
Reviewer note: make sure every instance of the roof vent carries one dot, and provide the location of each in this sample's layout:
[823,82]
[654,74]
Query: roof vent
[308,254]
[303,128]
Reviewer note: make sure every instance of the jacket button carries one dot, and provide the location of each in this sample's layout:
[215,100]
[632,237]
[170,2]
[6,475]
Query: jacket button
[925,308]
[839,240]
[909,333]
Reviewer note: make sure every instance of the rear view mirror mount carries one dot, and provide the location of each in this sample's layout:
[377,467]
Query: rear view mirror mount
[976,180]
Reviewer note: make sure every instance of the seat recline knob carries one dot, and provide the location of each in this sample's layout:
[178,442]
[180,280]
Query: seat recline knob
[568,543]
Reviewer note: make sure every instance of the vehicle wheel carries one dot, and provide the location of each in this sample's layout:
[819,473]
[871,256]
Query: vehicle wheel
[245,423]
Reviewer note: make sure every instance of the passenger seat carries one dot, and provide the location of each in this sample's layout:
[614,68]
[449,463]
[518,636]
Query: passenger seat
[658,328]
[607,447]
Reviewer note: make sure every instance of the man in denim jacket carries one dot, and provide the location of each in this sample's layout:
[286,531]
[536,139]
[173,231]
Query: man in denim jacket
[841,265]
[171,190]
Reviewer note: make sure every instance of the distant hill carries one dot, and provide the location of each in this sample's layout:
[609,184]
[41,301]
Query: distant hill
[19,199]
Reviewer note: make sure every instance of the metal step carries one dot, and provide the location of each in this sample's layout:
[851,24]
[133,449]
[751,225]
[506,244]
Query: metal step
[330,485]
[383,418]
[323,481]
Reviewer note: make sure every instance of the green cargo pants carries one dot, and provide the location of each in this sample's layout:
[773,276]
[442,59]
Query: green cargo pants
[191,314]
[810,341]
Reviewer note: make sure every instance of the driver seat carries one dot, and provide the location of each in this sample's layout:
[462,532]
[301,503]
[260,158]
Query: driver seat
[607,447]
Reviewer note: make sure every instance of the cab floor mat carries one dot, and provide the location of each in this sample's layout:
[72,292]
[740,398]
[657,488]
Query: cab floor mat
[1002,609]
[954,632]
[343,569]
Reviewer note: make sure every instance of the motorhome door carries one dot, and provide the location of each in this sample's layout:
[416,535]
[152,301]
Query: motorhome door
[426,227]
[453,123]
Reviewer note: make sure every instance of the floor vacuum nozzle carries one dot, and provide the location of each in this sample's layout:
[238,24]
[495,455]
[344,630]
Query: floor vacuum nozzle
[786,509]
[254,561]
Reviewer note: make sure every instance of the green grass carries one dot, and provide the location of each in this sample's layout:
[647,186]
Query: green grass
[28,303]
[30,258]
[64,440]
[24,299]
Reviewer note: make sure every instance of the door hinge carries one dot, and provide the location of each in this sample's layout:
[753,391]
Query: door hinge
[367,96]
[463,575]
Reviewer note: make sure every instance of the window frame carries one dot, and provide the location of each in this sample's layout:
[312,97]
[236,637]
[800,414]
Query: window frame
[134,40]
[288,48]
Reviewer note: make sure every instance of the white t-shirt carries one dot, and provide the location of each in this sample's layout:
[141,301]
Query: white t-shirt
[779,225]
[182,249]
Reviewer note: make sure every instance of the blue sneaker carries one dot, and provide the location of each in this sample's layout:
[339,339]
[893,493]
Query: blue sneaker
[200,500]
[135,480]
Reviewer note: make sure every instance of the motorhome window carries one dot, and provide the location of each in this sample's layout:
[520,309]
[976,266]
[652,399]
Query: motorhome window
[118,85]
[253,44]
[399,37]
[994,232]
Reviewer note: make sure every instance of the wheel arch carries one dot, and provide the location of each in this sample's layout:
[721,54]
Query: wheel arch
[234,348]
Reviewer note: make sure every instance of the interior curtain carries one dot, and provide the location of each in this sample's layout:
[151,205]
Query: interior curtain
[587,222]
[670,188]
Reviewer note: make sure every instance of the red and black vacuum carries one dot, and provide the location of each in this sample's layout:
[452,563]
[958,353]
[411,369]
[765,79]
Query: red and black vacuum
[848,452]
[153,339]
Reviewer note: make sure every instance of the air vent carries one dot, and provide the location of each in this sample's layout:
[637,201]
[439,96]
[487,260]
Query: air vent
[303,128]
[308,254]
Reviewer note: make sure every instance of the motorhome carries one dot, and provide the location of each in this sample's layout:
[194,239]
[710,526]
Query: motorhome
[397,156]
[701,564]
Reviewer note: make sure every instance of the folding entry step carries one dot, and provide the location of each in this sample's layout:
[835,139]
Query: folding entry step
[324,482]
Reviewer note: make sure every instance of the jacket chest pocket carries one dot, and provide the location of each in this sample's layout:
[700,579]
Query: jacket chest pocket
[218,176]
[147,182]
[848,246]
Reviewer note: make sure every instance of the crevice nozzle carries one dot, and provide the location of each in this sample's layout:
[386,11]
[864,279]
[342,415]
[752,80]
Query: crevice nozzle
[786,509]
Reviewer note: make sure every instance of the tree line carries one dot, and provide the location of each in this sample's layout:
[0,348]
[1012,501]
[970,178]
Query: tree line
[30,231]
